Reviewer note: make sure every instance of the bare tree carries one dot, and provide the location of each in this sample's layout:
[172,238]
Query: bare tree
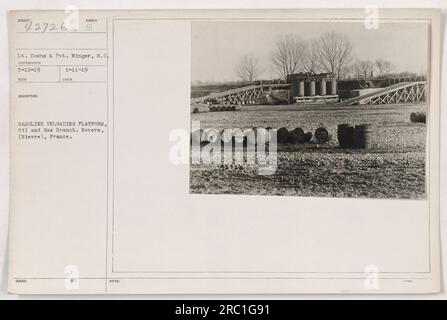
[311,59]
[287,55]
[334,52]
[383,67]
[362,69]
[248,68]
[351,71]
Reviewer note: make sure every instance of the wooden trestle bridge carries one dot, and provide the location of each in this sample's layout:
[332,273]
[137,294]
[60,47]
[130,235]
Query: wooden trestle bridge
[244,95]
[402,92]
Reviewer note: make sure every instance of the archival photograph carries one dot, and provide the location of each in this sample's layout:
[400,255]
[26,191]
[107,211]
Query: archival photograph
[309,108]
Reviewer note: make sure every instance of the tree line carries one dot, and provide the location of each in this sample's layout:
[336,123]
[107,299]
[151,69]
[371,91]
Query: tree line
[329,53]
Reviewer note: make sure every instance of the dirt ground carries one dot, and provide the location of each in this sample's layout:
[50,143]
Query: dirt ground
[393,168]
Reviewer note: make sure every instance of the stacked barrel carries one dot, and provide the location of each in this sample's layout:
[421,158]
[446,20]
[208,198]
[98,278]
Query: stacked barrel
[345,135]
[357,137]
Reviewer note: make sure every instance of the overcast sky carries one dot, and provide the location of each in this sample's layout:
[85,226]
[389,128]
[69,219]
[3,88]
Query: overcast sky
[218,46]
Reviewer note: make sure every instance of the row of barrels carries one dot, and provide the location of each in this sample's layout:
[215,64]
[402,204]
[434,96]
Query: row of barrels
[418,117]
[244,102]
[211,135]
[218,108]
[251,136]
[298,135]
[357,137]
[257,135]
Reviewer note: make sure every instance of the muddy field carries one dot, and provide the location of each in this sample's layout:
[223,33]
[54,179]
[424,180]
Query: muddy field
[393,168]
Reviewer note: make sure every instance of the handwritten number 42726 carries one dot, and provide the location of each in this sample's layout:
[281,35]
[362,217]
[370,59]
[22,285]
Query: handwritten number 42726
[44,27]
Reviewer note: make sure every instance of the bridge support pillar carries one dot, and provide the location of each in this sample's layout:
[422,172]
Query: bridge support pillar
[322,87]
[294,88]
[312,88]
[333,89]
[301,88]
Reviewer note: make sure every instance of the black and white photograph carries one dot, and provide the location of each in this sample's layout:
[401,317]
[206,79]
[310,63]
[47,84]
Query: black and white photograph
[330,108]
[271,153]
